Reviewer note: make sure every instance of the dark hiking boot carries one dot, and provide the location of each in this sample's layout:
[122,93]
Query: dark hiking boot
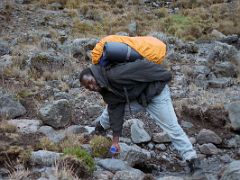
[99,130]
[195,169]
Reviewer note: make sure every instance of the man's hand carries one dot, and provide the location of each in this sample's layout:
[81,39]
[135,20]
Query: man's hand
[115,142]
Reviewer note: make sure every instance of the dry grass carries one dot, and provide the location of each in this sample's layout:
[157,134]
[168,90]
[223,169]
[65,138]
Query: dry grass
[19,174]
[63,171]
[72,141]
[46,144]
[7,128]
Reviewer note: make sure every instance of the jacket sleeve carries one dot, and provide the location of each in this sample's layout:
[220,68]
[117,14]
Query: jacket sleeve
[138,71]
[116,114]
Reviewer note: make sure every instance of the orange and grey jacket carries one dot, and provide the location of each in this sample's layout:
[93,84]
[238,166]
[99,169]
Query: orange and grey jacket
[148,47]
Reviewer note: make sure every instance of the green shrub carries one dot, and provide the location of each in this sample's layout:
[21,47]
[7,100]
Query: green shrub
[82,155]
[100,146]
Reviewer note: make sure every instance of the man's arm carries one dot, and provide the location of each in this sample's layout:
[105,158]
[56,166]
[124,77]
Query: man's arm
[116,114]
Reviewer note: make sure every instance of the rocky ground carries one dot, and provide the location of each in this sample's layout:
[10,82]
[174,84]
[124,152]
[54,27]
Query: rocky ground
[43,108]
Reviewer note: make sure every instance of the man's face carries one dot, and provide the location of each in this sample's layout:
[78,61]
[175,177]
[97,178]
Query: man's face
[90,83]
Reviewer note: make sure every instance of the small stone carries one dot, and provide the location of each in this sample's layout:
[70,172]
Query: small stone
[151,146]
[209,149]
[208,136]
[161,147]
[193,140]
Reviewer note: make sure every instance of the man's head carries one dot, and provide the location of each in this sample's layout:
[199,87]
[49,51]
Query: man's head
[88,81]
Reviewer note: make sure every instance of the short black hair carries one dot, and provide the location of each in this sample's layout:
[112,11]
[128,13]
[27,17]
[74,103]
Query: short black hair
[84,72]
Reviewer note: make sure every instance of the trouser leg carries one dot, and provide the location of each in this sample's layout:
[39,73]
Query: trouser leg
[161,110]
[104,118]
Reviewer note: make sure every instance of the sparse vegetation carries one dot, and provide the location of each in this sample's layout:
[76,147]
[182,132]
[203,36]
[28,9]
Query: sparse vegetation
[5,127]
[81,155]
[100,146]
[72,141]
[47,144]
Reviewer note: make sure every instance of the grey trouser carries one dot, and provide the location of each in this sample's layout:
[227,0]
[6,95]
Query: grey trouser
[162,112]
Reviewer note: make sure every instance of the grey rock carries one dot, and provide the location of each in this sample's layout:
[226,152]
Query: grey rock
[234,142]
[102,175]
[193,140]
[94,111]
[4,48]
[52,135]
[56,114]
[170,178]
[208,136]
[138,133]
[224,69]
[9,107]
[161,137]
[62,95]
[122,33]
[230,39]
[87,147]
[209,149]
[219,83]
[26,126]
[132,28]
[133,154]
[23,1]
[226,158]
[130,174]
[46,158]
[217,34]
[5,62]
[75,129]
[89,129]
[186,124]
[161,147]
[47,43]
[231,171]
[48,61]
[234,114]
[113,165]
[55,6]
[151,146]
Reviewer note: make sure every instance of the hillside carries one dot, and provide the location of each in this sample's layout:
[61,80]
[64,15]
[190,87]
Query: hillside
[47,118]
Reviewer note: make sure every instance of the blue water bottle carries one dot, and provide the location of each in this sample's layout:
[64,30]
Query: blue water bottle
[113,150]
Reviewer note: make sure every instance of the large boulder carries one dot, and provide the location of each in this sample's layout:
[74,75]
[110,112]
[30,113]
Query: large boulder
[231,171]
[48,61]
[234,114]
[9,107]
[57,113]
[26,126]
[45,158]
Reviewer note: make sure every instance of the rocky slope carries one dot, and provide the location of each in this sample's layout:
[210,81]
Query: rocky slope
[44,111]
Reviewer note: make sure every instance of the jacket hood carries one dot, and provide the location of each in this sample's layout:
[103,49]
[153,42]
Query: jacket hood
[98,73]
